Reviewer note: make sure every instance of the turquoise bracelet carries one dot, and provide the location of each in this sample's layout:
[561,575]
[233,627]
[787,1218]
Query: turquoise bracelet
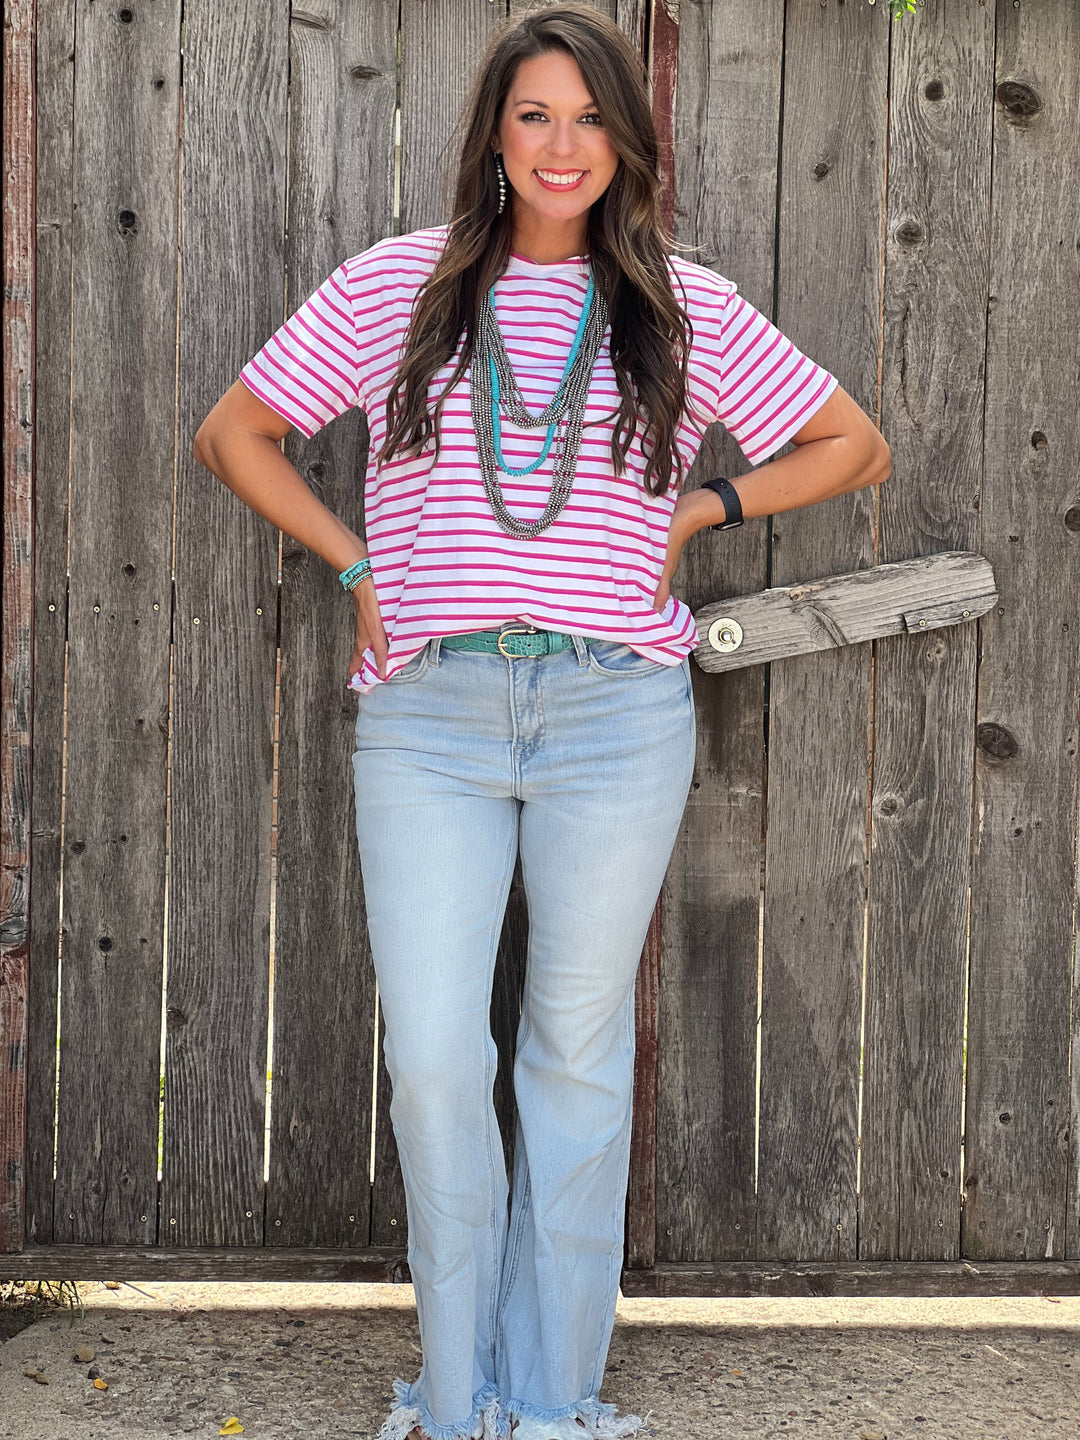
[351,577]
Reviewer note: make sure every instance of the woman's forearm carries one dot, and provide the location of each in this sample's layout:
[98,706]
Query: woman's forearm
[815,471]
[253,468]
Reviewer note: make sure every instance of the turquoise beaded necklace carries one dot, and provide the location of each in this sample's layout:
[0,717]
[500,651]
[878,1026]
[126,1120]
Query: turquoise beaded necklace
[496,426]
[493,385]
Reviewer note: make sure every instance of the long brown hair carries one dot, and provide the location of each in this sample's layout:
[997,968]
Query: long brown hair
[651,333]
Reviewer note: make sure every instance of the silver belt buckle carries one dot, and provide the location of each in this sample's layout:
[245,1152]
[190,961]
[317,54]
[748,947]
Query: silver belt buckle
[515,630]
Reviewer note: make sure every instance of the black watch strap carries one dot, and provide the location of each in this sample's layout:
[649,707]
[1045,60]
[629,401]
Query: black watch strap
[732,504]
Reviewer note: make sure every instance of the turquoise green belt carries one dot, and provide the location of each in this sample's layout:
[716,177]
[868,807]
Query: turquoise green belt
[513,640]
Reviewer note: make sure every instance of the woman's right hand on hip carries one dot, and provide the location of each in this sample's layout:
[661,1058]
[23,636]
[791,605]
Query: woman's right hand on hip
[369,629]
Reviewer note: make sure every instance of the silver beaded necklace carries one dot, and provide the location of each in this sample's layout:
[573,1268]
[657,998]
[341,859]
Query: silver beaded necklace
[568,405]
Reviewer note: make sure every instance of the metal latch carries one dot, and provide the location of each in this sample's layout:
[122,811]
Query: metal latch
[725,635]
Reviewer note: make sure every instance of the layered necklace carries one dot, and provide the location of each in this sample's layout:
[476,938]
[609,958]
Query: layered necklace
[493,386]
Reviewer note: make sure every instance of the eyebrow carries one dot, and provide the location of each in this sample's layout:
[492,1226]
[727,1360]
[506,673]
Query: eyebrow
[590,105]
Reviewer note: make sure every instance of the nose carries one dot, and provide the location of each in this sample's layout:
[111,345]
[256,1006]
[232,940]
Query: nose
[562,142]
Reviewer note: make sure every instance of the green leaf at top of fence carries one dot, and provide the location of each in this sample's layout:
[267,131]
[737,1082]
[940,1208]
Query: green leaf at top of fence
[900,7]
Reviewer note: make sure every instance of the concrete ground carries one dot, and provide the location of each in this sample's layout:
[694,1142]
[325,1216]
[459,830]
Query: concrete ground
[317,1360]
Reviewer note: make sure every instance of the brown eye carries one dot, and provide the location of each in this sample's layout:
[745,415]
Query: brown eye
[539,115]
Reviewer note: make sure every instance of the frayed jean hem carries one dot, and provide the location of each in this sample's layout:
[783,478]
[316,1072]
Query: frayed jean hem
[485,1422]
[589,1419]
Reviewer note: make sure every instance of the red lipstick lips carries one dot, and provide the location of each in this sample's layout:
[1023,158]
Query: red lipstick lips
[550,185]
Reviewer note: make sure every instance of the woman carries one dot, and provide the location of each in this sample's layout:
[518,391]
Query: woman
[522,670]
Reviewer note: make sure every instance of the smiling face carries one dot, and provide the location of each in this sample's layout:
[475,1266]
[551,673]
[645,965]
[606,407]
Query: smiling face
[557,155]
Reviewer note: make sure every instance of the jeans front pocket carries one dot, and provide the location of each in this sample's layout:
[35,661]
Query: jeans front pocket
[377,704]
[612,657]
[413,669]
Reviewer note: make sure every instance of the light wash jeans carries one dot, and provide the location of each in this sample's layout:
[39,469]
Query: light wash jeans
[582,761]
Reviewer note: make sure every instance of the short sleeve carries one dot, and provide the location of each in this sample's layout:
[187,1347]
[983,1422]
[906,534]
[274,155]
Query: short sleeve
[309,370]
[749,375]
[769,388]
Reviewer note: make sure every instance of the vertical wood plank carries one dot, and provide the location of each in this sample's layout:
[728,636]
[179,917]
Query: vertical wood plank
[657,43]
[225,640]
[663,71]
[123,383]
[16,628]
[728,103]
[54,102]
[634,18]
[343,68]
[828,303]
[937,254]
[1017,1149]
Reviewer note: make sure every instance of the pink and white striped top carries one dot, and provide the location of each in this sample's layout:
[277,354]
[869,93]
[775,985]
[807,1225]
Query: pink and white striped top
[441,562]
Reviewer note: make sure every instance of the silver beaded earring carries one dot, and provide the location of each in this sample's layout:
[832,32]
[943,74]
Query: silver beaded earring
[500,173]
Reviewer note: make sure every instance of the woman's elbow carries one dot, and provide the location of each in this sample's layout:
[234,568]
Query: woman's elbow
[202,445]
[883,464]
[877,466]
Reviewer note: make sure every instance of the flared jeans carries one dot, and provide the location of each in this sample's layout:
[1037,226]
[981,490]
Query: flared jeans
[580,762]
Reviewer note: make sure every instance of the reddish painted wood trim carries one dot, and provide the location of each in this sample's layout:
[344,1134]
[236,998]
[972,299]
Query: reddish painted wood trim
[640,1248]
[663,67]
[16,618]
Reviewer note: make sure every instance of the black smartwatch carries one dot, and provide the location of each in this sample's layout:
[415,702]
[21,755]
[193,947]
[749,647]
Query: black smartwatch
[732,503]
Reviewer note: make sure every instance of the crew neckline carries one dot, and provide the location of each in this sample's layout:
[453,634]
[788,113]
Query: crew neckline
[576,261]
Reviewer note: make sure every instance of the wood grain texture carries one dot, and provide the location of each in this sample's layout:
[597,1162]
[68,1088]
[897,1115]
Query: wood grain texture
[1021,1139]
[123,379]
[17,616]
[663,59]
[388,1264]
[728,105]
[225,640]
[343,69]
[55,42]
[828,302]
[906,597]
[937,252]
[854,1278]
[889,824]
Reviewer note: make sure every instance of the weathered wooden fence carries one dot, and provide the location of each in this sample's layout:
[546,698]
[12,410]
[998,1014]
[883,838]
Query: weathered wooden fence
[857,1003]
